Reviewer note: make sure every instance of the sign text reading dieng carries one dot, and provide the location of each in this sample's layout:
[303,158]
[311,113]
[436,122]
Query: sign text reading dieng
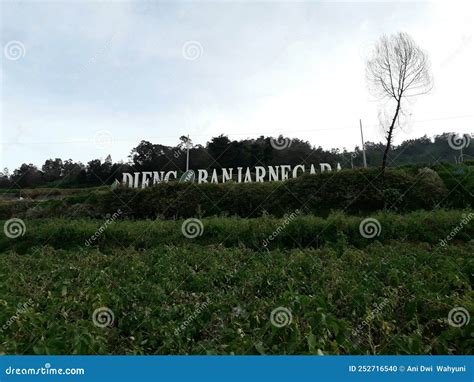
[240,175]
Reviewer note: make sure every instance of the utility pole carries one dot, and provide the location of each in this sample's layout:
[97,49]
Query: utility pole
[363,144]
[187,154]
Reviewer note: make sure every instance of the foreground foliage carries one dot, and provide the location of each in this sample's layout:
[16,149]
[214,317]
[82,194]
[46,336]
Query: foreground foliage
[215,294]
[330,293]
[293,231]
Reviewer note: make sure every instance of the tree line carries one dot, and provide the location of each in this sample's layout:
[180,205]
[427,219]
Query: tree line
[221,152]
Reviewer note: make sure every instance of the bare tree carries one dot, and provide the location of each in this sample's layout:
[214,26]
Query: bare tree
[397,69]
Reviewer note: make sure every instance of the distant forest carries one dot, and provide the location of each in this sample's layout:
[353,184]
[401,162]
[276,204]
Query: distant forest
[222,152]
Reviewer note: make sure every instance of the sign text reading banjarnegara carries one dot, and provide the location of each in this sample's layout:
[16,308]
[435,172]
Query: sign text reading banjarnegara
[145,179]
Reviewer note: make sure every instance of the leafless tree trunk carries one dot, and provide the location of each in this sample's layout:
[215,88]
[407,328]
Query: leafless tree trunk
[397,69]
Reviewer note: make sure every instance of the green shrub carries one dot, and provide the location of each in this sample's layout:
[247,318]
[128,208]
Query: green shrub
[354,191]
[295,231]
[459,180]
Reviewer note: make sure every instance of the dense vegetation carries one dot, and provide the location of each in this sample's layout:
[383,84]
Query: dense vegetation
[301,231]
[295,245]
[354,191]
[214,294]
[222,152]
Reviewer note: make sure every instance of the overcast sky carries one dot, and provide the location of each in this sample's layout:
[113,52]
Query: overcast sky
[84,79]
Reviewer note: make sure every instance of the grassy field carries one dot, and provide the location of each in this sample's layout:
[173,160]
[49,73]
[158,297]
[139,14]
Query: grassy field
[316,287]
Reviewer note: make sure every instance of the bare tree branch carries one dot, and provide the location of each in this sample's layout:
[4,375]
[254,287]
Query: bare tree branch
[397,69]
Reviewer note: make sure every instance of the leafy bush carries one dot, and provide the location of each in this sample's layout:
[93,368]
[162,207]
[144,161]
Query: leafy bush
[353,191]
[347,294]
[459,180]
[291,232]
[221,300]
